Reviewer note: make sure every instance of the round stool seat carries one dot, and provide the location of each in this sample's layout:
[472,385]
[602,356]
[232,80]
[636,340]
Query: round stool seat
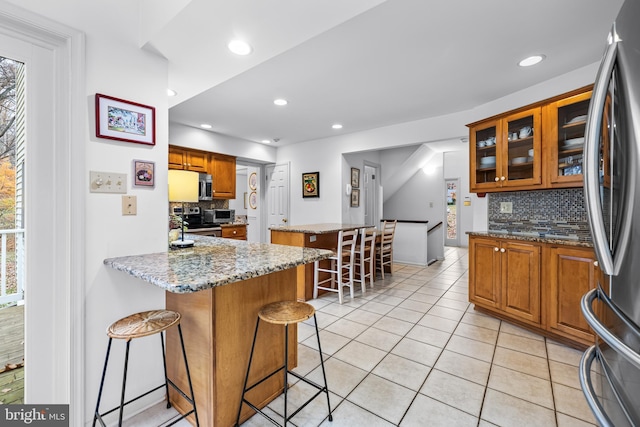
[285,312]
[142,324]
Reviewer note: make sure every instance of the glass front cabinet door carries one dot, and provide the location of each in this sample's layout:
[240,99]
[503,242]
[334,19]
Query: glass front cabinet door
[565,125]
[485,156]
[522,160]
[506,152]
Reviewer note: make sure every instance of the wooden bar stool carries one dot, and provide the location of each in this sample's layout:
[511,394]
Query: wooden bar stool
[136,326]
[285,313]
[340,272]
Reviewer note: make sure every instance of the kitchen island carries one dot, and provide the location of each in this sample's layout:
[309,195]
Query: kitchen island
[218,286]
[310,236]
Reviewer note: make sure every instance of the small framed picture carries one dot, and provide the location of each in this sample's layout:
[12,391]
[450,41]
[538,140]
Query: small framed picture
[355,177]
[355,198]
[125,120]
[311,184]
[144,173]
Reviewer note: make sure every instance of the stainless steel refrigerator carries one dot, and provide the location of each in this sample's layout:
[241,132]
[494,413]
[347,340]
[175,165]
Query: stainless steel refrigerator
[610,369]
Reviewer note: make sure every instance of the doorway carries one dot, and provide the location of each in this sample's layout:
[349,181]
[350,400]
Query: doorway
[277,197]
[452,237]
[370,197]
[12,267]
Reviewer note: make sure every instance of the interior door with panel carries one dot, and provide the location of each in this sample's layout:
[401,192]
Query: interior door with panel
[277,197]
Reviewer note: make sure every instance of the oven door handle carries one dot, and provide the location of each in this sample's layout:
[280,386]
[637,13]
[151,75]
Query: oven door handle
[603,332]
[587,388]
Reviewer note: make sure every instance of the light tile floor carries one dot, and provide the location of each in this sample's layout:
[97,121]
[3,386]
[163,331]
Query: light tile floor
[413,352]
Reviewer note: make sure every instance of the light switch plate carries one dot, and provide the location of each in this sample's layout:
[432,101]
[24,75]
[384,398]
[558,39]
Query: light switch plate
[129,205]
[107,182]
[506,207]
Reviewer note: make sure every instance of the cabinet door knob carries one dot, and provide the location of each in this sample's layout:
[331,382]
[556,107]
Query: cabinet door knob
[595,263]
[496,179]
[503,250]
[502,178]
[496,249]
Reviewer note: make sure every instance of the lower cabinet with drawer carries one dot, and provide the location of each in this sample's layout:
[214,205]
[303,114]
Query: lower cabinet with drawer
[234,231]
[535,285]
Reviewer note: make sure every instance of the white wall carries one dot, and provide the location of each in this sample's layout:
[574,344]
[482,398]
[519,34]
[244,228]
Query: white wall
[241,189]
[421,198]
[187,136]
[324,154]
[355,215]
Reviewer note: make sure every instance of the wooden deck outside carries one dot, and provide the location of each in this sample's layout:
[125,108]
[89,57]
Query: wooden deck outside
[12,354]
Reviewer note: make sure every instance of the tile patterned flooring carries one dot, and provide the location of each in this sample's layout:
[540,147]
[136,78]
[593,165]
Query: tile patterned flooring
[413,352]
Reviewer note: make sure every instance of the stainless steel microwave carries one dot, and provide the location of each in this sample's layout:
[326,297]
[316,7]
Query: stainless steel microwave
[219,216]
[205,191]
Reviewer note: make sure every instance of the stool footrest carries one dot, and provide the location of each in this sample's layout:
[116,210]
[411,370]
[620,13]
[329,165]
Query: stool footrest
[264,379]
[320,388]
[126,403]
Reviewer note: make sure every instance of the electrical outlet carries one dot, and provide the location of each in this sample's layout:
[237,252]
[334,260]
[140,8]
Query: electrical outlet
[129,205]
[107,182]
[506,207]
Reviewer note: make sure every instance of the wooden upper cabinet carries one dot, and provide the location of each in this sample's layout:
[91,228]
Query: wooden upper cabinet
[564,126]
[506,153]
[534,147]
[186,159]
[223,172]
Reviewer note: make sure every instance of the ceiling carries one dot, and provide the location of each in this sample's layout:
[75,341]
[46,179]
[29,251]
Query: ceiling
[363,63]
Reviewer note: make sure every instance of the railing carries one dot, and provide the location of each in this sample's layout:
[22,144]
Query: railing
[14,257]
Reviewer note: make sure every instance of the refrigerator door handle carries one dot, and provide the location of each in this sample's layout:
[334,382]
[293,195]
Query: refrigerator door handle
[599,328]
[591,156]
[587,388]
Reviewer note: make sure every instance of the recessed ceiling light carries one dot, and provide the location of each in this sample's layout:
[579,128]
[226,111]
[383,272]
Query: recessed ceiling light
[337,126]
[266,141]
[532,60]
[171,92]
[280,101]
[205,126]
[239,47]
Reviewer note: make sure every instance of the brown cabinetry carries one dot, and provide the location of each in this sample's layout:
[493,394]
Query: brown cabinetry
[223,172]
[564,126]
[221,167]
[571,273]
[534,147]
[235,231]
[506,152]
[505,275]
[186,159]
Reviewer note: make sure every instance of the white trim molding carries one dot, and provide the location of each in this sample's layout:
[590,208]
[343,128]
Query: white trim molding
[54,206]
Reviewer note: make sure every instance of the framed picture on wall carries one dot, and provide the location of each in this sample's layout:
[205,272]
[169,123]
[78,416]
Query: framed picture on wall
[355,198]
[311,184]
[355,177]
[125,120]
[144,174]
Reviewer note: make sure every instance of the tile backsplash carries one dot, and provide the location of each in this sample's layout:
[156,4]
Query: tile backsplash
[558,214]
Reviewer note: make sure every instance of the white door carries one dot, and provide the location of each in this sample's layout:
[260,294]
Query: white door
[277,197]
[452,238]
[371,215]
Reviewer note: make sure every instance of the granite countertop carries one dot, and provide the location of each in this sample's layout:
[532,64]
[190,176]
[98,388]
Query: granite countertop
[532,238]
[318,228]
[213,262]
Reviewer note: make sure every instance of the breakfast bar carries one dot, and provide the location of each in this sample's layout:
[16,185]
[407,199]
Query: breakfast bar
[310,236]
[218,286]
